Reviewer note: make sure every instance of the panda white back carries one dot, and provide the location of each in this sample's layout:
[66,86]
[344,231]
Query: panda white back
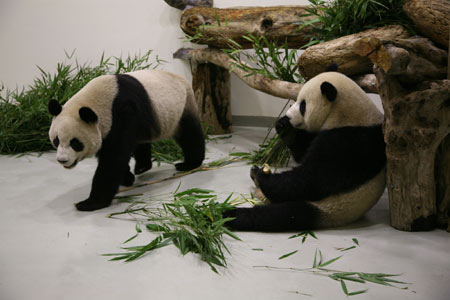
[169,94]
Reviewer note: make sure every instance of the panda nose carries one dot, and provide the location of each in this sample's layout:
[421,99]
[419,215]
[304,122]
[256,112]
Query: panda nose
[62,161]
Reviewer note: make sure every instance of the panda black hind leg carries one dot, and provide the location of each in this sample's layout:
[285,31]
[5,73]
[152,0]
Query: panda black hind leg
[128,179]
[192,141]
[276,217]
[143,158]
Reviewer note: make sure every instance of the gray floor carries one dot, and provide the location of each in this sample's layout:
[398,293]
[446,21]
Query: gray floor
[49,250]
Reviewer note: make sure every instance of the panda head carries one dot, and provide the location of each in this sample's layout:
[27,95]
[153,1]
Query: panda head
[74,133]
[331,100]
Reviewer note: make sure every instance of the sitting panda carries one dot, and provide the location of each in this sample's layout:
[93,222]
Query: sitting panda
[117,116]
[334,132]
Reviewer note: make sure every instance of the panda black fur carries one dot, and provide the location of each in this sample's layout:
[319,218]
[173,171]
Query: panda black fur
[117,116]
[334,132]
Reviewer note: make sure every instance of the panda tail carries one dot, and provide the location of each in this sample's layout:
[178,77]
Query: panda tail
[275,217]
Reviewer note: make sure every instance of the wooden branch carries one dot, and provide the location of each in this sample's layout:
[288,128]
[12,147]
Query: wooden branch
[417,120]
[432,18]
[316,58]
[186,4]
[274,87]
[211,85]
[216,25]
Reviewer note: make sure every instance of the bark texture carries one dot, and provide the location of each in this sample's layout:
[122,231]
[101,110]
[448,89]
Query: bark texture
[216,26]
[417,120]
[211,86]
[316,58]
[432,18]
[274,87]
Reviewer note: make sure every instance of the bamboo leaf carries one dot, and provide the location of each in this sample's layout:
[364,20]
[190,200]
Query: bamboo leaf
[344,287]
[321,265]
[130,239]
[288,254]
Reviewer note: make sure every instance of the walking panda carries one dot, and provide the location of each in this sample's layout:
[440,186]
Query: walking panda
[117,116]
[334,132]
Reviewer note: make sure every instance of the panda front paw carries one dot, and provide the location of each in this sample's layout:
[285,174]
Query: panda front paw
[90,205]
[283,125]
[258,175]
[254,175]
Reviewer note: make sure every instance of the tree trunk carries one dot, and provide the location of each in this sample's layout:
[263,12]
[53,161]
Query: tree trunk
[215,26]
[211,86]
[417,120]
[316,58]
[274,87]
[432,18]
[443,184]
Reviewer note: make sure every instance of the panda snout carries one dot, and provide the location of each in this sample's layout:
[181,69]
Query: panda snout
[62,160]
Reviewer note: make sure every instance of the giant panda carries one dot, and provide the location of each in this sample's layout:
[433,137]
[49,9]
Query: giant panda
[116,117]
[334,132]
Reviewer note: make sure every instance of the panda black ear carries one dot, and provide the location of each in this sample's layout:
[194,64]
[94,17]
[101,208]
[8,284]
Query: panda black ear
[329,91]
[54,108]
[333,67]
[88,115]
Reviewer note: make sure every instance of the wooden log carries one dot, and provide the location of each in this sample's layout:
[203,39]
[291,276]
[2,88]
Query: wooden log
[186,4]
[274,87]
[431,17]
[316,58]
[214,26]
[211,85]
[416,59]
[417,120]
[368,82]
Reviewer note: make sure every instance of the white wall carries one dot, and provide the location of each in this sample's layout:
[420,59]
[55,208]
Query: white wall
[36,32]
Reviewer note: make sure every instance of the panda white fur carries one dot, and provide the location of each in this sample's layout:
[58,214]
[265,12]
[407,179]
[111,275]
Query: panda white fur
[117,116]
[334,132]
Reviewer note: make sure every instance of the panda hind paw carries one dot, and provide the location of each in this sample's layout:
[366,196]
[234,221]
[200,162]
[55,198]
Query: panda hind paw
[186,166]
[128,180]
[140,168]
[89,205]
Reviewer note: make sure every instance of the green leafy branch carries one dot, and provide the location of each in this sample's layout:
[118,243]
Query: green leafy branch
[192,222]
[319,267]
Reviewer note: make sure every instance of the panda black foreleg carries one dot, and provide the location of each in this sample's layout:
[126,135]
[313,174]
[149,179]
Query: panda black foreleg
[143,158]
[192,141]
[293,215]
[112,170]
[110,173]
[297,140]
[287,186]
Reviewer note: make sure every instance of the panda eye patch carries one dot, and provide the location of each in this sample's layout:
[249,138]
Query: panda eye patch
[302,107]
[56,142]
[76,145]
